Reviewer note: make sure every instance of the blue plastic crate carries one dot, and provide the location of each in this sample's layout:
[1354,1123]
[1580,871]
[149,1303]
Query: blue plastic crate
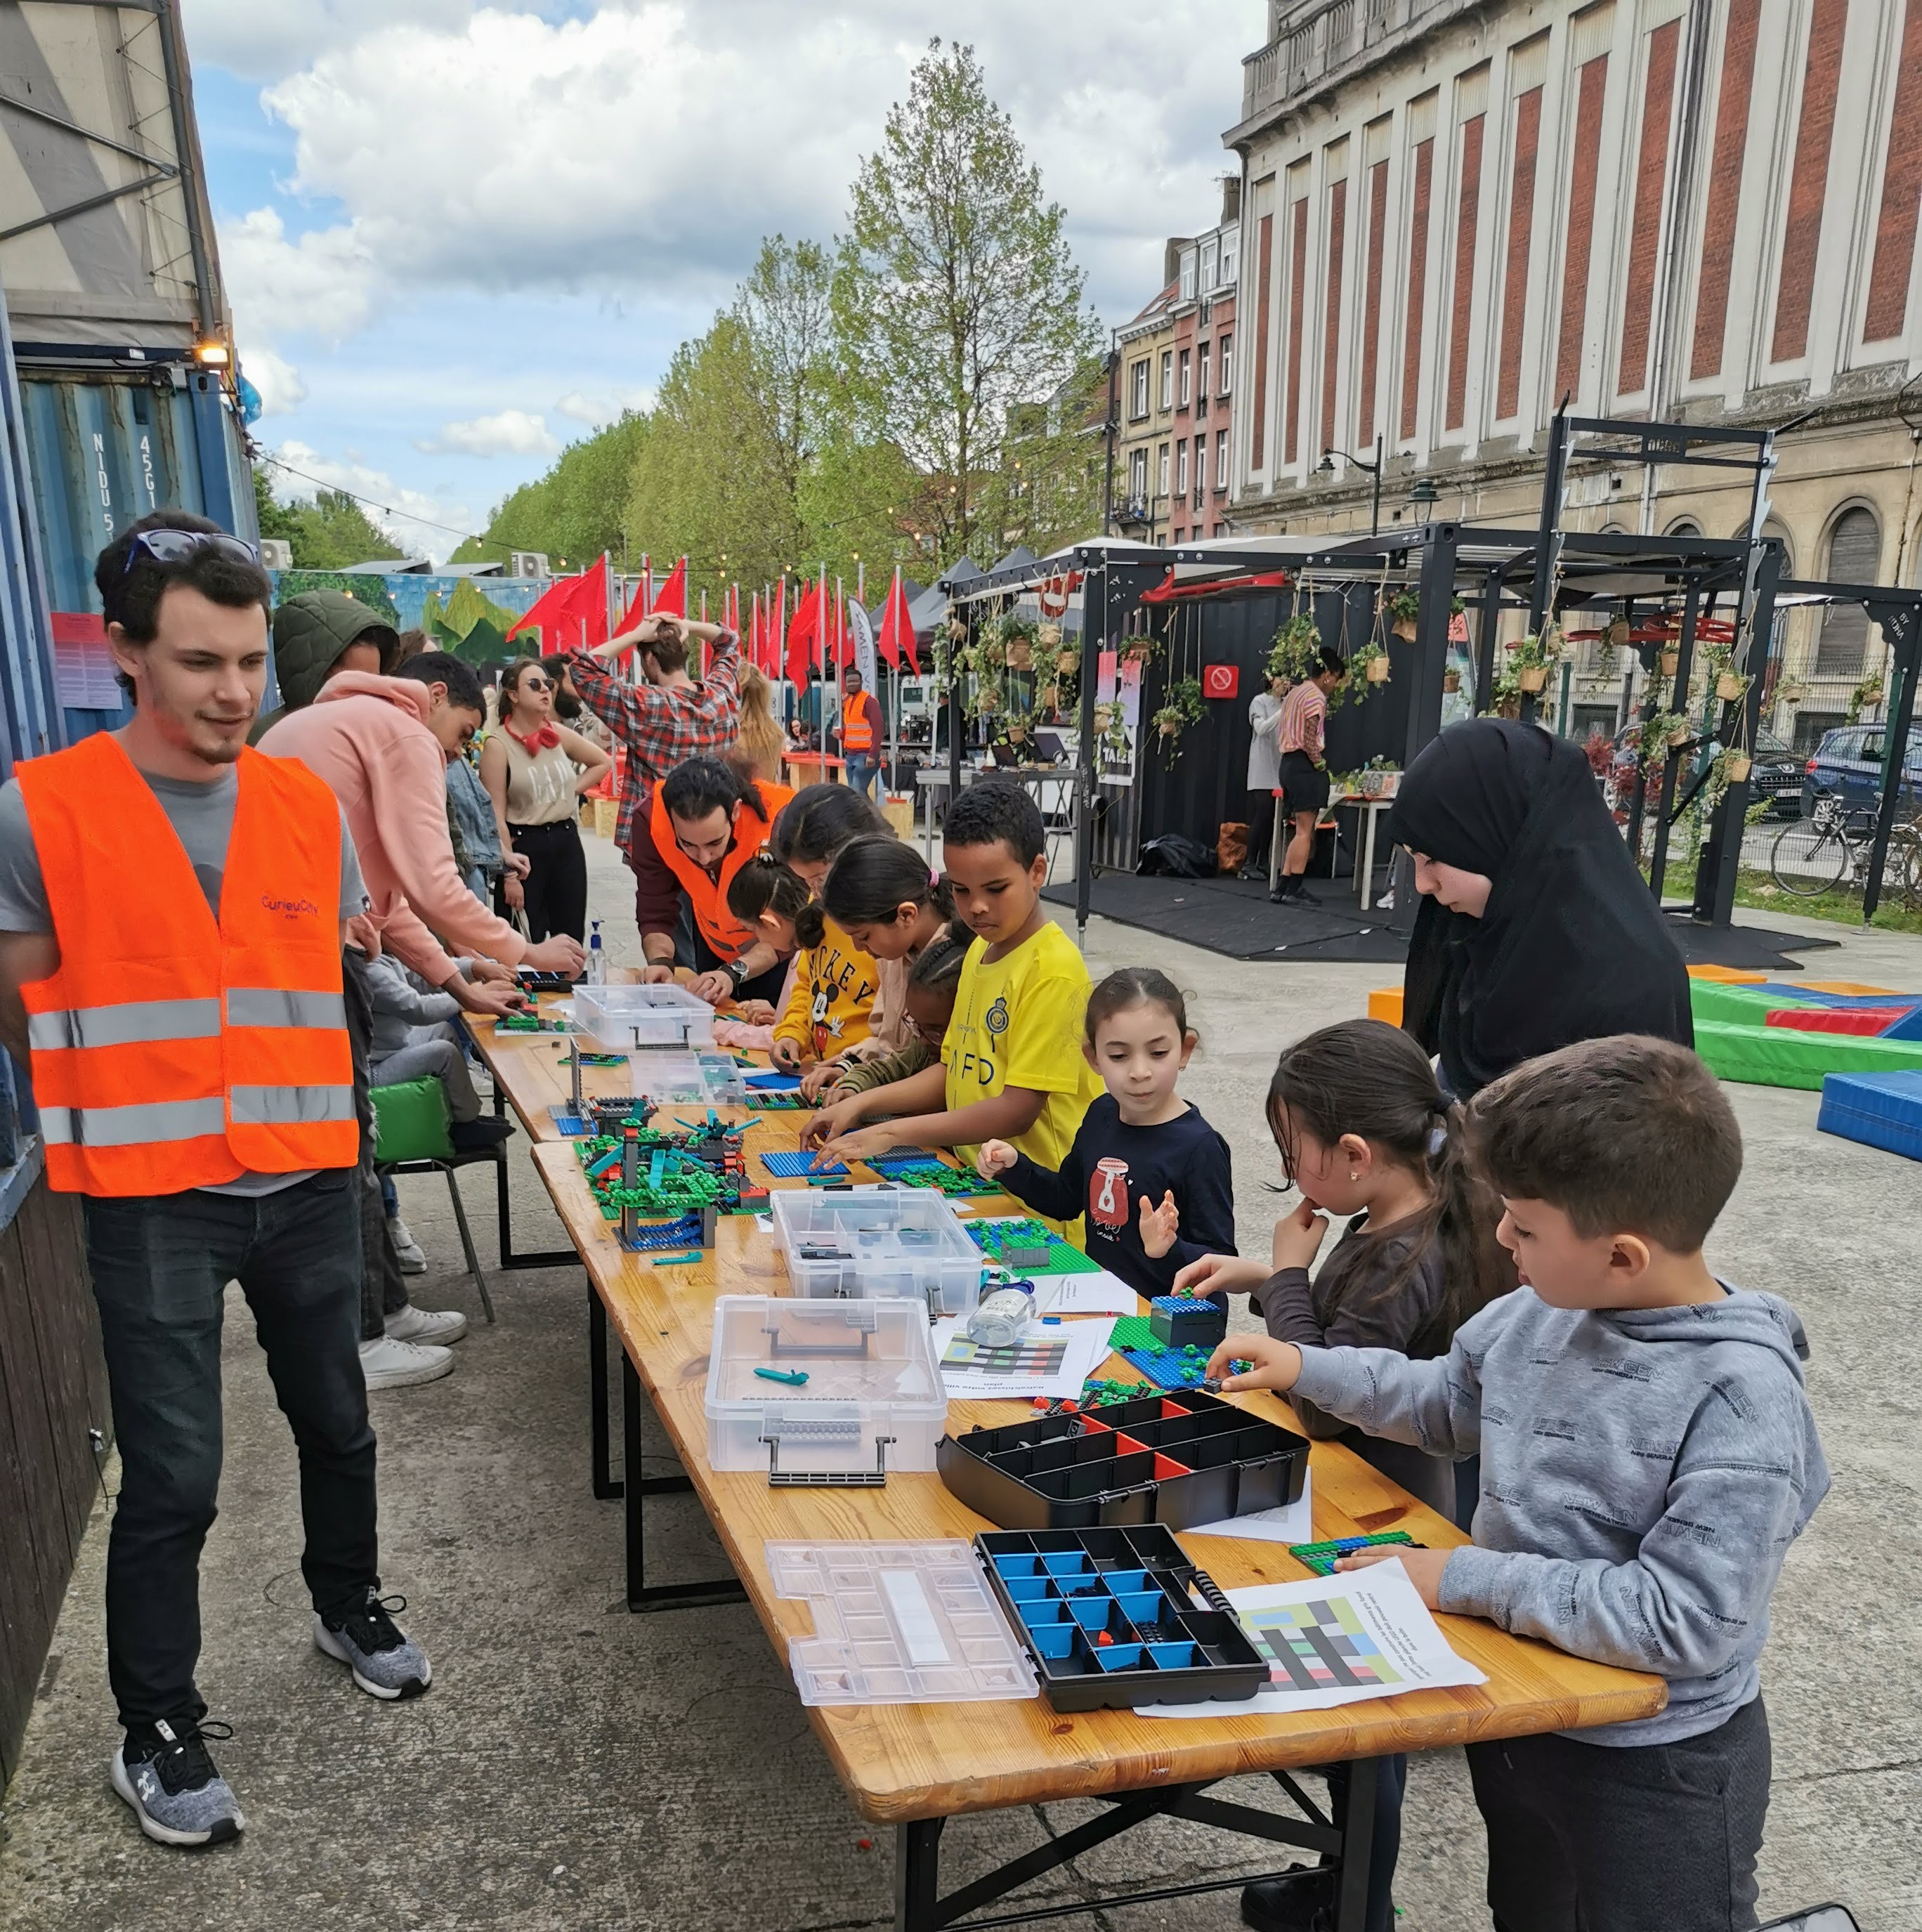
[1880,1110]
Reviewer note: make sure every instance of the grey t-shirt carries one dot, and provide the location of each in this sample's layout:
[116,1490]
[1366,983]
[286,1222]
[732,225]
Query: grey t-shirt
[201,816]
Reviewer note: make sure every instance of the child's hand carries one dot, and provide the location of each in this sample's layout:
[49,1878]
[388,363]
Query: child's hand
[842,1118]
[1276,1364]
[786,1054]
[822,1073]
[1298,1237]
[1424,1567]
[857,1146]
[755,1013]
[1213,1273]
[1159,1224]
[993,1157]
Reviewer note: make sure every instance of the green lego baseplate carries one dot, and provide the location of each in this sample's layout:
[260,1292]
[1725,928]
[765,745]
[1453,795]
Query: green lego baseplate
[995,1238]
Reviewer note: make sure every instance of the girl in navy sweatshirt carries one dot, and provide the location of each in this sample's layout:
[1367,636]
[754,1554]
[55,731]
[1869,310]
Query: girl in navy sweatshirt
[1152,1176]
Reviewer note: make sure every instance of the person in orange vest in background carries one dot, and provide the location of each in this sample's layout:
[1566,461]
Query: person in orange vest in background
[860,730]
[692,832]
[173,910]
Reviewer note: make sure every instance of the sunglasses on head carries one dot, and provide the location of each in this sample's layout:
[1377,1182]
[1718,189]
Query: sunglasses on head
[176,546]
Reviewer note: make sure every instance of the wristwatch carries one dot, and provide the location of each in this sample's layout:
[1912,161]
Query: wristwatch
[737,970]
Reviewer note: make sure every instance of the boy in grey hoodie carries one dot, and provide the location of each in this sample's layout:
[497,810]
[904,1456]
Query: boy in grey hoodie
[1647,1456]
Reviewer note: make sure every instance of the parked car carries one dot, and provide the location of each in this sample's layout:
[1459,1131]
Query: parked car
[1776,775]
[1848,762]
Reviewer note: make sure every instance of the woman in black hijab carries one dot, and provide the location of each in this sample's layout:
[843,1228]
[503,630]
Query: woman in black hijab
[1536,930]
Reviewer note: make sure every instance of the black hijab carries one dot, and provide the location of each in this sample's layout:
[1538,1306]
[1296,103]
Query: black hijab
[1571,946]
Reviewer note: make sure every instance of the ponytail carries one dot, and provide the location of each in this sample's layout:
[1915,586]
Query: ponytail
[764,884]
[1365,1078]
[876,875]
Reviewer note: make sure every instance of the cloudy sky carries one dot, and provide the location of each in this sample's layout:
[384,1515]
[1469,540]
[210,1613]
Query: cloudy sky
[456,237]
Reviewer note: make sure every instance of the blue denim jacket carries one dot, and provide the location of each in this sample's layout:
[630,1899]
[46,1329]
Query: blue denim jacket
[473,815]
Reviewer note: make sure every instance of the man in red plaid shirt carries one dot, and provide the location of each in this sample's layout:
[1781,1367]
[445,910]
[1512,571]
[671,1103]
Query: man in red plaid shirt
[669,718]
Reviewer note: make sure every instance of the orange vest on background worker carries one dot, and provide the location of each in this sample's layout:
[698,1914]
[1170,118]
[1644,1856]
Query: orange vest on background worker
[727,937]
[857,728]
[170,1051]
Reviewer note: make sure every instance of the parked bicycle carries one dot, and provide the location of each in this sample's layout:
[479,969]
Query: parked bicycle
[1829,849]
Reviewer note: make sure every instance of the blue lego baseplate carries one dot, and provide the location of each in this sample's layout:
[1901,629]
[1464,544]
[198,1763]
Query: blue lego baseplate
[798,1166]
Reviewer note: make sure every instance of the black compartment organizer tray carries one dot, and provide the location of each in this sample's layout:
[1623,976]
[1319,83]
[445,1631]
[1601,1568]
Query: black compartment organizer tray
[1109,1617]
[1177,1460]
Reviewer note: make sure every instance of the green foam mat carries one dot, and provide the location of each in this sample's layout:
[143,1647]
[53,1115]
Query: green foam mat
[1766,1056]
[1733,1006]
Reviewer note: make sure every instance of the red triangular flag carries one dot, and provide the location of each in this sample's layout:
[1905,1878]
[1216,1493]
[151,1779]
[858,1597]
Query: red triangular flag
[801,633]
[672,600]
[572,615]
[898,629]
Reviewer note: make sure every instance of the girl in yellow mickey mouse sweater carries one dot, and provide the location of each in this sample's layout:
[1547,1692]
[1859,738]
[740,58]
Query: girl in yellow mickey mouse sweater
[834,981]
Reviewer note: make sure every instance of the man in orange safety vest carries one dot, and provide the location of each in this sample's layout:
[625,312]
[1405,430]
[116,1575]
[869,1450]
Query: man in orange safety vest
[172,906]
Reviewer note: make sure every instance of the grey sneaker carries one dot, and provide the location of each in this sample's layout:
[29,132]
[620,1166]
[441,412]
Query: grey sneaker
[164,1772]
[385,1663]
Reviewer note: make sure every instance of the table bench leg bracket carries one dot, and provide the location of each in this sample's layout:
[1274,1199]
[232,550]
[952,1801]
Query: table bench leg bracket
[642,1597]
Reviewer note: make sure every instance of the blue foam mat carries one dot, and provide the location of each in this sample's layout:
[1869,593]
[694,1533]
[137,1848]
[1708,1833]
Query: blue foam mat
[1879,1110]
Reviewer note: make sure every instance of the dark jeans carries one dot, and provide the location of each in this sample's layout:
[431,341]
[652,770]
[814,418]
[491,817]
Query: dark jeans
[382,1291]
[161,1265]
[1391,1781]
[1624,1838]
[554,893]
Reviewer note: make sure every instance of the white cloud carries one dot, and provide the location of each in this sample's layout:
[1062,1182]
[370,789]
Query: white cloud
[594,411]
[423,524]
[506,432]
[281,389]
[322,283]
[646,148]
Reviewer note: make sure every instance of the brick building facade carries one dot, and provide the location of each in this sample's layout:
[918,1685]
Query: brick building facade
[1456,212]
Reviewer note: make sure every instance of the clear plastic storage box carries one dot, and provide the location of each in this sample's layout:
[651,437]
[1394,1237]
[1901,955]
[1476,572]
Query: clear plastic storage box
[622,1018]
[870,1374]
[670,1079]
[897,1623]
[877,1241]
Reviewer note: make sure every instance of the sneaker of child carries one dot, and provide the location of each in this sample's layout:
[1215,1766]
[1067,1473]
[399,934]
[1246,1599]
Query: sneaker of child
[1154,1179]
[1647,1456]
[1012,1065]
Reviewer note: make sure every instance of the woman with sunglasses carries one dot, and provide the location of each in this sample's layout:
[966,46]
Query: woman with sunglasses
[534,771]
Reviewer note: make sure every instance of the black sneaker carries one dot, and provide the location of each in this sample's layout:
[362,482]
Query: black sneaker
[1289,887]
[1303,1901]
[385,1663]
[163,1771]
[479,1136]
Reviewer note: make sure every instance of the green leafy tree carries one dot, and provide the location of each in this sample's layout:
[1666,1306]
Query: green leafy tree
[328,533]
[575,512]
[956,301]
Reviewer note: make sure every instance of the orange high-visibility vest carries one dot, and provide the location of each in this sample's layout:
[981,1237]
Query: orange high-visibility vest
[727,937]
[170,1051]
[857,726]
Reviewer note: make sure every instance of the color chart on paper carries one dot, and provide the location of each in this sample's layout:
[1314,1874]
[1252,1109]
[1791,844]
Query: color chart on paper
[1038,1359]
[1321,1645]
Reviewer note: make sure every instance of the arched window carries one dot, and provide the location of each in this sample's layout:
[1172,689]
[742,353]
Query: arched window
[1683,526]
[1854,557]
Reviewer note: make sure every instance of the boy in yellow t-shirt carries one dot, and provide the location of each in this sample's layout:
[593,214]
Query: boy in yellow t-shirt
[1012,1068]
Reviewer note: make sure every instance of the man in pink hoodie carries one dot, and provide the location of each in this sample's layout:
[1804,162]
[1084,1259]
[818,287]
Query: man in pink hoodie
[383,745]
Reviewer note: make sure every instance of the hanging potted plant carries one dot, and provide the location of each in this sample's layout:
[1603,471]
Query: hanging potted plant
[1292,651]
[1402,609]
[1372,660]
[1732,766]
[1865,697]
[1451,679]
[1185,706]
[1530,659]
[1652,740]
[1018,641]
[1067,658]
[1718,660]
[1669,659]
[1139,646]
[1679,728]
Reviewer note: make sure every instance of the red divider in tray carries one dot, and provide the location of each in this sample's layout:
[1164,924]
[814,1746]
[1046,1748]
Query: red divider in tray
[1169,1410]
[1091,1427]
[1166,1466]
[1126,1445]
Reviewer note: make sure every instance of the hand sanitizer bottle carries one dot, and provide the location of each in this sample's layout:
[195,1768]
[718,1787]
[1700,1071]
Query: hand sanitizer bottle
[597,960]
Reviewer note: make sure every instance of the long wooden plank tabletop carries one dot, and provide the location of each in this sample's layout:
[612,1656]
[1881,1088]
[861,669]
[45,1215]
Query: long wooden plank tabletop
[904,1762]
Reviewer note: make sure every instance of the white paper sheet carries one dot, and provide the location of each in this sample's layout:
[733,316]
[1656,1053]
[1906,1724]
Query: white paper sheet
[1085,1344]
[1368,1624]
[1102,1294]
[1293,1523]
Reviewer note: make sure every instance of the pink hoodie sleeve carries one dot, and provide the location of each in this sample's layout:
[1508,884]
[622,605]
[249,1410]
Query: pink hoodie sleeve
[407,790]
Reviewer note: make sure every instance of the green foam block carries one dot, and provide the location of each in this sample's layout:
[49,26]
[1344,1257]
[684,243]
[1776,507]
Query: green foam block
[1766,1056]
[1733,1006]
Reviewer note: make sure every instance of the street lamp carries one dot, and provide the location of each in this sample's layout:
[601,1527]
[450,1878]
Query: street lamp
[1424,492]
[1327,468]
